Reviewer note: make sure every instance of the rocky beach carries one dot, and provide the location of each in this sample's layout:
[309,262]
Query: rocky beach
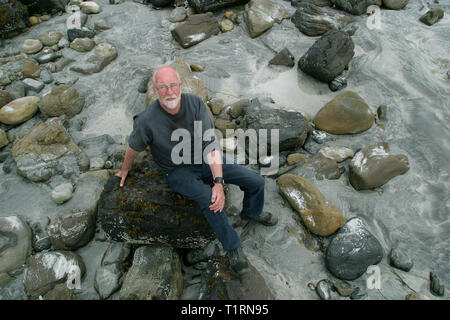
[357,90]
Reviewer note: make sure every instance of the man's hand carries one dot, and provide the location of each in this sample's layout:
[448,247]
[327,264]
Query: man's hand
[123,175]
[217,198]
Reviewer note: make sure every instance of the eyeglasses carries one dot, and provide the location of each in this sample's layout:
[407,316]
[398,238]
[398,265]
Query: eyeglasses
[163,89]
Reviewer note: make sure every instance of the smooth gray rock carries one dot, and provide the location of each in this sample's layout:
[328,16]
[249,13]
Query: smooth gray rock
[399,259]
[323,289]
[356,7]
[31,84]
[196,29]
[284,58]
[108,280]
[432,16]
[352,249]
[96,60]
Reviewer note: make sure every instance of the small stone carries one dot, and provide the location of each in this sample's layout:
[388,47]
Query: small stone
[382,112]
[30,69]
[35,85]
[51,38]
[323,289]
[178,15]
[338,83]
[101,25]
[34,20]
[216,105]
[400,260]
[96,164]
[284,57]
[62,193]
[90,7]
[435,285]
[432,16]
[31,46]
[226,25]
[19,110]
[3,139]
[49,57]
[109,164]
[196,67]
[82,44]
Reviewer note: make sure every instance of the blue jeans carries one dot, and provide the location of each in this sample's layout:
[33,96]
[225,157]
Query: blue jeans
[189,180]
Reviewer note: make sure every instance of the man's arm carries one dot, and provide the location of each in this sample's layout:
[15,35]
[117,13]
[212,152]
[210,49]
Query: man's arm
[130,155]
[218,196]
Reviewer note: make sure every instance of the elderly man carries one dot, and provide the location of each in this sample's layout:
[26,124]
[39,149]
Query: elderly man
[155,126]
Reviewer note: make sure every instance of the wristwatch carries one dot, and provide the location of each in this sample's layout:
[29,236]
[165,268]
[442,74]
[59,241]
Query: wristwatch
[219,180]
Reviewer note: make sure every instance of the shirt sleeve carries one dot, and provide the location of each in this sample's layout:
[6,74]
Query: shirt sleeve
[139,138]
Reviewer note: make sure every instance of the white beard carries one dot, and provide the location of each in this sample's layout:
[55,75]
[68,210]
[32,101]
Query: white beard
[172,104]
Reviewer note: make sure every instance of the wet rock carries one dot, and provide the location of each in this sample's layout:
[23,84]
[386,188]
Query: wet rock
[399,259]
[90,7]
[72,231]
[382,113]
[48,149]
[216,105]
[292,134]
[44,6]
[14,18]
[201,254]
[15,243]
[46,269]
[325,167]
[260,15]
[33,85]
[62,193]
[98,147]
[41,240]
[12,287]
[320,216]
[101,25]
[339,83]
[323,289]
[30,69]
[117,252]
[60,292]
[352,250]
[395,4]
[337,154]
[19,110]
[31,46]
[196,29]
[436,287]
[344,288]
[328,56]
[82,44]
[51,38]
[196,67]
[315,21]
[108,279]
[356,7]
[63,99]
[372,166]
[347,113]
[297,158]
[432,16]
[102,55]
[155,274]
[96,164]
[213,5]
[72,34]
[284,58]
[147,211]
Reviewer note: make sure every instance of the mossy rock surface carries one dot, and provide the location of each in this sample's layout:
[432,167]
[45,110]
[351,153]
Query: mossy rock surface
[147,211]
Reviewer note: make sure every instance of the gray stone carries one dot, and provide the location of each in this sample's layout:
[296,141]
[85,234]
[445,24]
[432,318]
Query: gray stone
[31,84]
[71,231]
[213,5]
[356,7]
[82,44]
[46,76]
[62,100]
[399,259]
[51,38]
[260,16]
[432,16]
[62,193]
[284,58]
[315,21]
[48,57]
[323,289]
[96,164]
[328,56]
[72,34]
[395,4]
[117,252]
[15,243]
[436,287]
[98,147]
[108,280]
[102,55]
[352,250]
[155,274]
[31,46]
[178,15]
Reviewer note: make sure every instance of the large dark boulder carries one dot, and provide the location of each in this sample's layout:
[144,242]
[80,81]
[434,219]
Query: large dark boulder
[328,56]
[197,28]
[355,7]
[161,3]
[212,5]
[13,18]
[147,211]
[45,6]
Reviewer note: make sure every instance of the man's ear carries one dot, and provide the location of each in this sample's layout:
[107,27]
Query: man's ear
[155,91]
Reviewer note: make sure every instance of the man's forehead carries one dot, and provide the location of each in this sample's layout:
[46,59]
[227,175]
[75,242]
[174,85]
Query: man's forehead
[166,75]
